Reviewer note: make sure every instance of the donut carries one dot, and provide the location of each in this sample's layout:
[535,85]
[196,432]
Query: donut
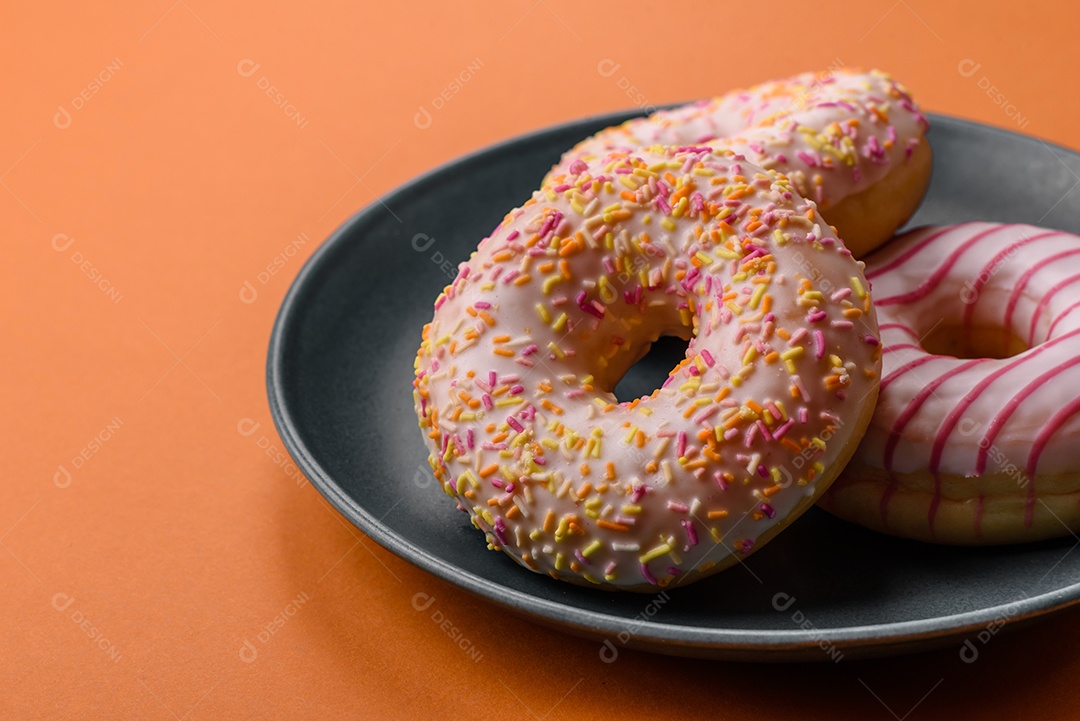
[974,439]
[514,376]
[852,141]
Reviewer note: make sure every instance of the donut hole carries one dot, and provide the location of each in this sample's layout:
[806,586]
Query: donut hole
[971,341]
[650,372]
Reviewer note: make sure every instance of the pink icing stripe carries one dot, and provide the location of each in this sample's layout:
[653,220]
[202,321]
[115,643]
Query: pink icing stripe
[1045,301]
[1060,317]
[1021,283]
[1051,427]
[985,274]
[898,326]
[949,424]
[998,422]
[887,380]
[915,403]
[883,507]
[905,256]
[935,501]
[940,272]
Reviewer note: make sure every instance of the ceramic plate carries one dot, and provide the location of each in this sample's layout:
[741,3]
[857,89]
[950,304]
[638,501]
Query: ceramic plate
[339,378]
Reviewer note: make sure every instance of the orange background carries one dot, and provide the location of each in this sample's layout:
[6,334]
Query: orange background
[135,569]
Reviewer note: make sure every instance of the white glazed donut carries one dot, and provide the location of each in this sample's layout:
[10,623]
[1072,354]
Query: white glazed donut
[515,374]
[974,440]
[852,141]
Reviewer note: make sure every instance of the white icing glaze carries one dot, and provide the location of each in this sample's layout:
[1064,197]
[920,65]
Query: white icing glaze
[515,373]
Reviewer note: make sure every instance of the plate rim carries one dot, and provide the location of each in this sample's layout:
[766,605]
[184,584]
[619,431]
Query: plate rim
[584,621]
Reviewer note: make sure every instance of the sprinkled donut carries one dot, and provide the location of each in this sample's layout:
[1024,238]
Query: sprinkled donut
[974,440]
[514,376]
[852,141]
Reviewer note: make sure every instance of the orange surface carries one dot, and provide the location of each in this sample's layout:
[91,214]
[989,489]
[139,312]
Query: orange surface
[176,567]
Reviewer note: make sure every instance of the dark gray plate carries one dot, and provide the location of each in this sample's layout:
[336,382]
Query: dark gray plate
[339,380]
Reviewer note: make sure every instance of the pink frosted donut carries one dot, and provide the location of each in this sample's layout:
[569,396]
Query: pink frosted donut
[852,141]
[974,440]
[515,374]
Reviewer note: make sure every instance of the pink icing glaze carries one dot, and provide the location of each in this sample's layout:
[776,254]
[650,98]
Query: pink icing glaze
[970,417]
[833,133]
[570,482]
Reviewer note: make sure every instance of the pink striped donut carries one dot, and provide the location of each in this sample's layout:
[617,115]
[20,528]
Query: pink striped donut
[974,438]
